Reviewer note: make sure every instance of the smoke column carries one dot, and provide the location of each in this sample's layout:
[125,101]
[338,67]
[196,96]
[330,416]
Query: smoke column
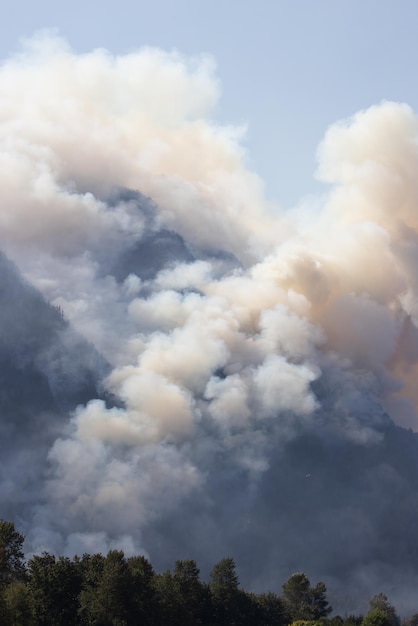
[238,333]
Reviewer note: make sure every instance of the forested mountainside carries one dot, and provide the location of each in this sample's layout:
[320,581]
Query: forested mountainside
[46,370]
[37,340]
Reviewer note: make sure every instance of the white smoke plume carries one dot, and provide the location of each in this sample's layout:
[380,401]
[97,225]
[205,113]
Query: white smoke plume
[268,323]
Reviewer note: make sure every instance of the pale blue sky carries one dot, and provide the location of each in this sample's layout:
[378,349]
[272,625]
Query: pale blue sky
[288,68]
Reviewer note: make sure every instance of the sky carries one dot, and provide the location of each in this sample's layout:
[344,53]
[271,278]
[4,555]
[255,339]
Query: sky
[287,68]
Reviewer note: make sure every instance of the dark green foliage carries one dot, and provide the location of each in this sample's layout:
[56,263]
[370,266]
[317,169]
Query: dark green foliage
[55,587]
[12,567]
[168,599]
[194,596]
[304,602]
[224,588]
[273,610]
[113,590]
[381,603]
[106,596]
[381,612]
[247,610]
[353,620]
[297,598]
[223,579]
[320,604]
[376,617]
[18,605]
[144,600]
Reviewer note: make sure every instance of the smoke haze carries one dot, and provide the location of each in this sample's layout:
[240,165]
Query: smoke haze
[258,366]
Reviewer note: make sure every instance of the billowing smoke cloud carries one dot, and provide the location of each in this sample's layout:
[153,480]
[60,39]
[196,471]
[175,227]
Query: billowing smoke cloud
[257,357]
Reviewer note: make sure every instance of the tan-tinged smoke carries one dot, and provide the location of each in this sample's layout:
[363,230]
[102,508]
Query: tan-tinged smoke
[73,127]
[266,323]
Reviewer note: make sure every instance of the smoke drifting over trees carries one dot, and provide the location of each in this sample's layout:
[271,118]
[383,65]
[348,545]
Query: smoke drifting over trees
[259,365]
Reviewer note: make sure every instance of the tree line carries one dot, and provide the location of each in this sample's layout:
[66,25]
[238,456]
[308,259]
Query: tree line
[114,590]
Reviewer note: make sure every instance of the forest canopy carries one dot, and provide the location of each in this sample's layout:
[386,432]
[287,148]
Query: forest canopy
[115,590]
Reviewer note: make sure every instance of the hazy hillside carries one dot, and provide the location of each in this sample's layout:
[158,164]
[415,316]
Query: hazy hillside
[46,370]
